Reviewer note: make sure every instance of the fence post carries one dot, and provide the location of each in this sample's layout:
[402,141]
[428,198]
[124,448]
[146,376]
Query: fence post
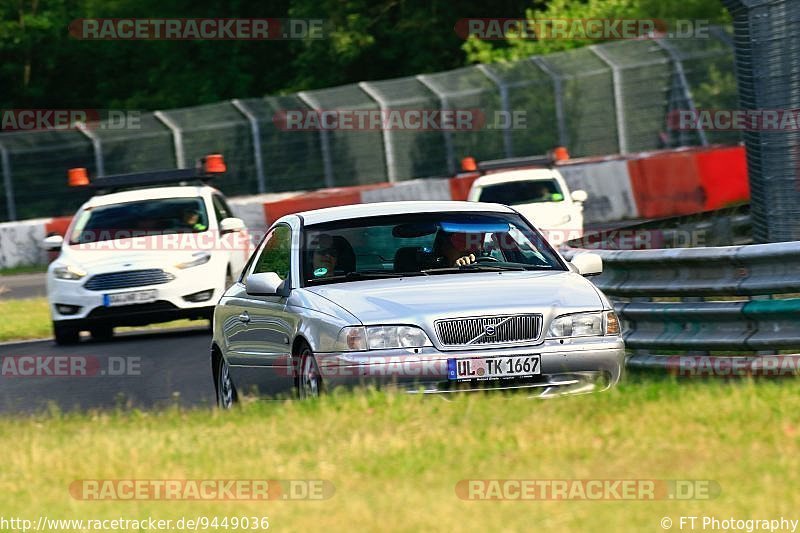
[99,163]
[558,89]
[177,138]
[687,92]
[5,162]
[508,145]
[616,75]
[255,129]
[445,105]
[388,142]
[325,143]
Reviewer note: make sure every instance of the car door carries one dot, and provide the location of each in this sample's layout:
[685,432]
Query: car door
[260,351]
[238,243]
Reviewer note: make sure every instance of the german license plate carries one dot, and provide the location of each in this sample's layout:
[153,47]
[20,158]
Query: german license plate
[515,366]
[130,298]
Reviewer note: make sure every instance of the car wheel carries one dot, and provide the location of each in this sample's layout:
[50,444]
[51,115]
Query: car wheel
[102,333]
[310,382]
[66,335]
[226,392]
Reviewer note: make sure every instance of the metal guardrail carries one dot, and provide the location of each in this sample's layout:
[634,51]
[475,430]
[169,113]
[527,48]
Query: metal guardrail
[734,298]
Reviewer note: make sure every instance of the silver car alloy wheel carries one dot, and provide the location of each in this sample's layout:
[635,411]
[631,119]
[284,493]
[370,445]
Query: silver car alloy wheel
[310,382]
[224,386]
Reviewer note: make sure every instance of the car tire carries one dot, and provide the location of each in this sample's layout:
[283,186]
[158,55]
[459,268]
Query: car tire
[102,333]
[66,335]
[309,383]
[226,391]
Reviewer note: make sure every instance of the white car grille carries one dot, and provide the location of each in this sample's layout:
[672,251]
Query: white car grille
[130,278]
[488,330]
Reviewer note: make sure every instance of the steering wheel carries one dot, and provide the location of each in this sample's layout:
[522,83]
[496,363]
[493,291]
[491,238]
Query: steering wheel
[486,259]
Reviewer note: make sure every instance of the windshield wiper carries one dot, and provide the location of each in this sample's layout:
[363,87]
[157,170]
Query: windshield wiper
[358,276]
[474,267]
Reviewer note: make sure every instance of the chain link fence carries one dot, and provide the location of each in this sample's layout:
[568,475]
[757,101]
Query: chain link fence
[597,100]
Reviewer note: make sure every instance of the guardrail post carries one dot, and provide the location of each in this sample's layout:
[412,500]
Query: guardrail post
[445,105]
[619,99]
[681,74]
[255,129]
[177,138]
[99,163]
[8,184]
[325,143]
[386,133]
[558,89]
[508,145]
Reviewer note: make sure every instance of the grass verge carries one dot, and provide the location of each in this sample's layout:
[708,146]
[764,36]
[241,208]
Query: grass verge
[23,269]
[30,319]
[395,460]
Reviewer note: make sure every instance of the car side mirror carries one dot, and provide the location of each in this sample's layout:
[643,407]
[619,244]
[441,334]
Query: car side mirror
[264,284]
[588,264]
[230,225]
[52,243]
[579,196]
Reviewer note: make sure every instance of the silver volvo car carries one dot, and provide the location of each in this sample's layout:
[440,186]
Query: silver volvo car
[428,297]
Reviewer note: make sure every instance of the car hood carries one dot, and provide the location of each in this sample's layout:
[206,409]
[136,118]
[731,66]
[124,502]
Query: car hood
[546,215]
[123,254]
[425,299]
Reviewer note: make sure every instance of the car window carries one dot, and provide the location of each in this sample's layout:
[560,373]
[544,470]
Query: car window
[145,217]
[275,254]
[421,243]
[522,192]
[221,208]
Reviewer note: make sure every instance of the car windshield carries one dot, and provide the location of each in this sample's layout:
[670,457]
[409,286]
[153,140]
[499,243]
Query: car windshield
[522,192]
[422,244]
[146,217]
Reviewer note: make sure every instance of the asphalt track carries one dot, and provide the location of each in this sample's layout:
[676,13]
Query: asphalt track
[146,369]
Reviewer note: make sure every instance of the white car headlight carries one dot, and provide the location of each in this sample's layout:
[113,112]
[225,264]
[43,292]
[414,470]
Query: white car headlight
[358,338]
[584,325]
[199,258]
[69,272]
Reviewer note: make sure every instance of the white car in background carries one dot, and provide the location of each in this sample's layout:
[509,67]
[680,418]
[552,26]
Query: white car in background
[541,195]
[143,256]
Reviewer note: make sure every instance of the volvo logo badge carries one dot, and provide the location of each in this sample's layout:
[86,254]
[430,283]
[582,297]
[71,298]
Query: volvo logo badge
[489,330]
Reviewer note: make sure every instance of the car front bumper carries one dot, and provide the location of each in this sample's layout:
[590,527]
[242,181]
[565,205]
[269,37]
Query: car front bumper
[574,366]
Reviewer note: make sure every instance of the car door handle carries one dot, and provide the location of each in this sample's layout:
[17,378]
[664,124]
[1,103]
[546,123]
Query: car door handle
[244,317]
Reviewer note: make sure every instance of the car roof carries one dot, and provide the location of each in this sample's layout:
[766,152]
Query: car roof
[153,193]
[345,212]
[529,174]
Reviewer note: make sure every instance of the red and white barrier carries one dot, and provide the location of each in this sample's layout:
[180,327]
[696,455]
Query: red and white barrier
[644,185]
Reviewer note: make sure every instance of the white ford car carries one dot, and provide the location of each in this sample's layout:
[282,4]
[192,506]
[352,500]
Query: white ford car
[541,195]
[143,256]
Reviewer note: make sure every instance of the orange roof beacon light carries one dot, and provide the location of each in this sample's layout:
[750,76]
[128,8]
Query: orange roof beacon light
[468,164]
[560,153]
[77,177]
[214,164]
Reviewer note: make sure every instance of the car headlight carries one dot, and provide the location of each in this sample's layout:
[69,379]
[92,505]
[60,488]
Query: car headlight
[358,338]
[584,325]
[69,272]
[199,258]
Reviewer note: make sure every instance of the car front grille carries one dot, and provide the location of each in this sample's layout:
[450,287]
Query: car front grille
[131,278]
[488,330]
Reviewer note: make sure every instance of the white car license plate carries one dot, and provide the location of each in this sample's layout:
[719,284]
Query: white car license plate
[514,366]
[130,298]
